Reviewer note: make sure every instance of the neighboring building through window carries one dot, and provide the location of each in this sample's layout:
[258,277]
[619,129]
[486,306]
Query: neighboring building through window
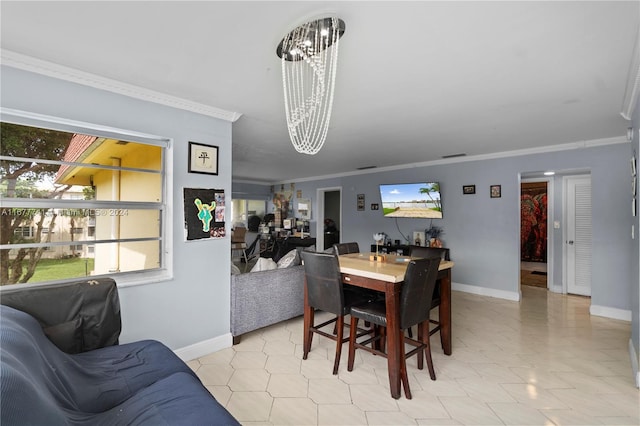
[242,210]
[69,197]
[24,231]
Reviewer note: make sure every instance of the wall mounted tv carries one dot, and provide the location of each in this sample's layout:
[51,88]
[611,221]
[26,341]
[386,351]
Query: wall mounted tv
[415,200]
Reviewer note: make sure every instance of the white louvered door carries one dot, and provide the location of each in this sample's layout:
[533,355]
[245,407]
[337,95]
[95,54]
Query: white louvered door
[578,235]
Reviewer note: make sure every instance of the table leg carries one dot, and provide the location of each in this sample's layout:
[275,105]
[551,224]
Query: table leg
[445,312]
[392,300]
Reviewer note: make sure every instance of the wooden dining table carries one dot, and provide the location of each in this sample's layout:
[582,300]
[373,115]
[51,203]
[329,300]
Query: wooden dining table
[357,269]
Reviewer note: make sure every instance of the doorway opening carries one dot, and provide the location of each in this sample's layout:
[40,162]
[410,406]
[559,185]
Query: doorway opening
[534,242]
[329,217]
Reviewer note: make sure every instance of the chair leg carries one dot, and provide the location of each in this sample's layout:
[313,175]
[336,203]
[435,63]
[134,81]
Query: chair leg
[424,336]
[309,334]
[382,332]
[404,377]
[352,343]
[339,342]
[421,331]
[427,352]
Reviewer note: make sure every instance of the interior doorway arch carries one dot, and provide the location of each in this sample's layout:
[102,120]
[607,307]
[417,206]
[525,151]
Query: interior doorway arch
[536,239]
[329,203]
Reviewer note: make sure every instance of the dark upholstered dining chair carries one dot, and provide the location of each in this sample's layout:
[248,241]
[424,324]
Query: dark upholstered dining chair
[426,253]
[416,292]
[349,248]
[346,248]
[325,292]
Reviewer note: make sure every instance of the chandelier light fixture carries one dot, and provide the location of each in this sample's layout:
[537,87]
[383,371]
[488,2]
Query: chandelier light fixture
[309,56]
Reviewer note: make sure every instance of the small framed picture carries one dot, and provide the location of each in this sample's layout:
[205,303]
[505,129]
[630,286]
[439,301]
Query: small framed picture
[203,158]
[375,206]
[360,202]
[468,189]
[418,238]
[496,191]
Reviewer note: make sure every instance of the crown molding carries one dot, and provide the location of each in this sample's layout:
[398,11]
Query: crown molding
[633,82]
[50,69]
[505,154]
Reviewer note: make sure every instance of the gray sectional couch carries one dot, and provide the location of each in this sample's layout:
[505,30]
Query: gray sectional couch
[259,299]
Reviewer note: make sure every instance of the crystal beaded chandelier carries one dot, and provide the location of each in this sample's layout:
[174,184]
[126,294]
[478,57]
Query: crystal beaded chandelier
[309,57]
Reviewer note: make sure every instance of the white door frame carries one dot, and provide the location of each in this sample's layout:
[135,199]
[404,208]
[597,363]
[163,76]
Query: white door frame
[550,221]
[320,215]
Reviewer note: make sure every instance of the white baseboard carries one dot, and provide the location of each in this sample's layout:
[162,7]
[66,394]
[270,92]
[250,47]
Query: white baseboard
[483,291]
[205,347]
[634,362]
[613,313]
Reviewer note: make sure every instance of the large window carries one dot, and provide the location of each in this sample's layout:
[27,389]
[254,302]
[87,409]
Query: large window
[242,210]
[78,200]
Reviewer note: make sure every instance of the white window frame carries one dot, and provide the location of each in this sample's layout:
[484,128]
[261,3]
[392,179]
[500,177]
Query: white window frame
[20,231]
[123,279]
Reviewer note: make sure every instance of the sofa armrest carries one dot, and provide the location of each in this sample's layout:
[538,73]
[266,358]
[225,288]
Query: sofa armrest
[77,317]
[259,299]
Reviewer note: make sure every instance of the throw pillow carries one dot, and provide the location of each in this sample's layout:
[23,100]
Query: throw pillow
[235,270]
[264,264]
[290,259]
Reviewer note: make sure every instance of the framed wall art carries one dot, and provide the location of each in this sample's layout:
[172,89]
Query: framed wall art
[360,205]
[496,191]
[204,213]
[203,158]
[468,189]
[304,208]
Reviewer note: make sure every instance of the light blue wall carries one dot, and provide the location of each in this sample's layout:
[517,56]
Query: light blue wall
[194,306]
[484,233]
[635,249]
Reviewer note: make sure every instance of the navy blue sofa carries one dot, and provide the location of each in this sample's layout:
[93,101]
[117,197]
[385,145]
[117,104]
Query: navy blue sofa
[140,383]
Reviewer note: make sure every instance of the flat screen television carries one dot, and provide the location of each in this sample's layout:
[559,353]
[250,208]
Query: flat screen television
[414,200]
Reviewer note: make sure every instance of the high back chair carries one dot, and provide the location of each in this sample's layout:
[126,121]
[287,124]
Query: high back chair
[416,292]
[353,247]
[238,243]
[426,253]
[346,248]
[325,292]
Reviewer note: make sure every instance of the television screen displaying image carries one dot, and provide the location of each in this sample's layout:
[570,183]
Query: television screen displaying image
[417,200]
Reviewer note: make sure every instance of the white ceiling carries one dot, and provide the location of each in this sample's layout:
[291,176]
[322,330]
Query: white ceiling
[416,80]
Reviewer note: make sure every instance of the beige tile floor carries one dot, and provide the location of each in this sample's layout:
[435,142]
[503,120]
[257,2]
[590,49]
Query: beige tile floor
[541,361]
